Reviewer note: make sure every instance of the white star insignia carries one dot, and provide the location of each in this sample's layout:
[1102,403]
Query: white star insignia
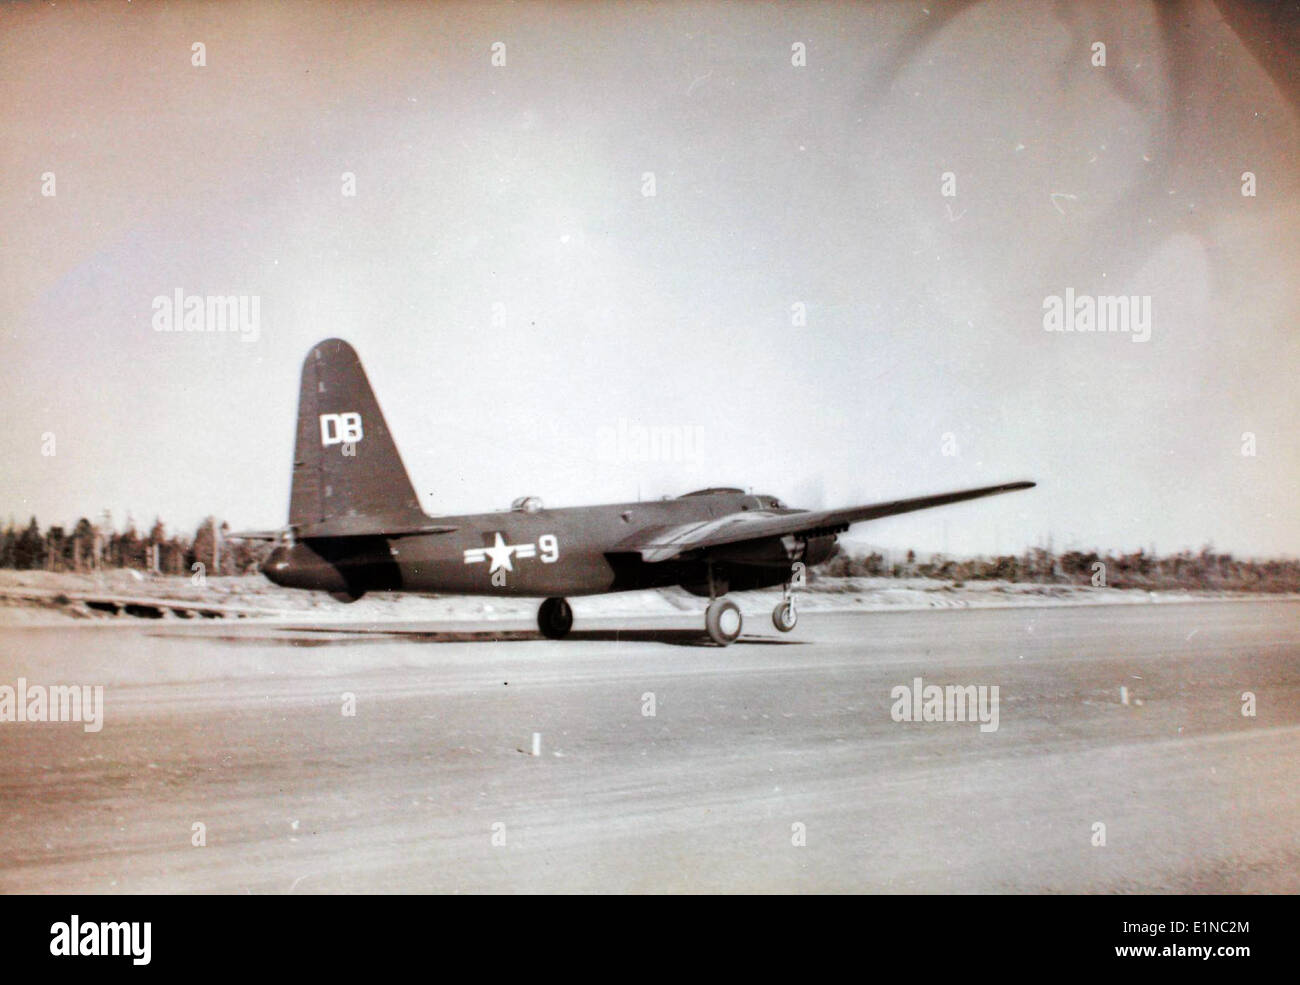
[499,554]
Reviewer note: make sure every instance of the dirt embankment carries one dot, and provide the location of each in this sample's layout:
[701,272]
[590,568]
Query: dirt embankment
[40,597]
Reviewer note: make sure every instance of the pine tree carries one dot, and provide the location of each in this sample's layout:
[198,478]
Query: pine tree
[83,545]
[29,552]
[9,547]
[204,548]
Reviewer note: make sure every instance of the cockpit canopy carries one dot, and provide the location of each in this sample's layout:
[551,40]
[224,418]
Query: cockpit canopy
[527,504]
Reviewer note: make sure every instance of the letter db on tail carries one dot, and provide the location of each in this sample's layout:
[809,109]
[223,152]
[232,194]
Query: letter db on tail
[339,429]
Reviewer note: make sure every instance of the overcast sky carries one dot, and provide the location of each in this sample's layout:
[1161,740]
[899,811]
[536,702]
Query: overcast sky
[511,289]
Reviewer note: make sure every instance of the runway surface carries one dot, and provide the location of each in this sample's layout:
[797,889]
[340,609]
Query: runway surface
[240,728]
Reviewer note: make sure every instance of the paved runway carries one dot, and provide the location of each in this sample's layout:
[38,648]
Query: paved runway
[240,728]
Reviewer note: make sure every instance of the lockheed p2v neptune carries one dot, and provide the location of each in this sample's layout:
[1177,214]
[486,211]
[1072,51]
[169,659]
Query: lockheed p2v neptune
[355,526]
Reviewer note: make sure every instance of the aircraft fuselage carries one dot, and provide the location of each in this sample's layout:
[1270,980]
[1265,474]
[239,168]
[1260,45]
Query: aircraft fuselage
[546,552]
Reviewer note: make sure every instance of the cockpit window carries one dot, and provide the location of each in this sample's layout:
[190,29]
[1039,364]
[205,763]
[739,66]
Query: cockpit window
[527,504]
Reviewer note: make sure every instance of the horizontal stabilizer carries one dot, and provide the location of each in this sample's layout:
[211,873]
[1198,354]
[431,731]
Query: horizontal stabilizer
[367,526]
[347,526]
[255,535]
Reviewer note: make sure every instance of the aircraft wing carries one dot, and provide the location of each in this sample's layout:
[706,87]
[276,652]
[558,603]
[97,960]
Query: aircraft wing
[667,543]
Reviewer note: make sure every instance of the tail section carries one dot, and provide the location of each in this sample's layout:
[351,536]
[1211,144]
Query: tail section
[347,474]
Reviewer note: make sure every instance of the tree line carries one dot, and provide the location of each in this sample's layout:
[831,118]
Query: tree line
[1139,569]
[99,546]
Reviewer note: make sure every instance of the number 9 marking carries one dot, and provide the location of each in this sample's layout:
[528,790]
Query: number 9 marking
[550,548]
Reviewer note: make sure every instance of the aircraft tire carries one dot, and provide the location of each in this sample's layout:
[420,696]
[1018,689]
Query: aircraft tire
[722,621]
[785,617]
[555,619]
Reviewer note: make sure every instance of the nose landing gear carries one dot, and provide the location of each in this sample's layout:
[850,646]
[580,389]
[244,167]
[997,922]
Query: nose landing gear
[785,616]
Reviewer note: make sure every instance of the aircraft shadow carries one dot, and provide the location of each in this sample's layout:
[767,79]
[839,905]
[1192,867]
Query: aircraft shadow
[314,636]
[674,637]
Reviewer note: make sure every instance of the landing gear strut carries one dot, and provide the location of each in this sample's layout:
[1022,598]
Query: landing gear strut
[722,619]
[785,616]
[555,619]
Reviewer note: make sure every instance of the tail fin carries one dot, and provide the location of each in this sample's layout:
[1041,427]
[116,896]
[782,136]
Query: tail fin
[346,469]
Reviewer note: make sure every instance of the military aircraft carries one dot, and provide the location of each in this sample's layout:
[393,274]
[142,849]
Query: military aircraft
[355,526]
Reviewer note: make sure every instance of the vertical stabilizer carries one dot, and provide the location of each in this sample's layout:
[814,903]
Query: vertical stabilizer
[345,464]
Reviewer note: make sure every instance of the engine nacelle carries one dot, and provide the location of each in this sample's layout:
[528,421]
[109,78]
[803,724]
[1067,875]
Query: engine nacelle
[760,563]
[778,551]
[818,550]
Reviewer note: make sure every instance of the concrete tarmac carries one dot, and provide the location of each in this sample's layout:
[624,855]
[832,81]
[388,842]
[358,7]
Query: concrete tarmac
[773,765]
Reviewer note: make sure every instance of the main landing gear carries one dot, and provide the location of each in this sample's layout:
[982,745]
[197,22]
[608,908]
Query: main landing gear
[555,619]
[722,621]
[785,616]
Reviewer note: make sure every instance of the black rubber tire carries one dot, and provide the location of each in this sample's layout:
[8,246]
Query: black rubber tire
[785,616]
[722,621]
[555,619]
